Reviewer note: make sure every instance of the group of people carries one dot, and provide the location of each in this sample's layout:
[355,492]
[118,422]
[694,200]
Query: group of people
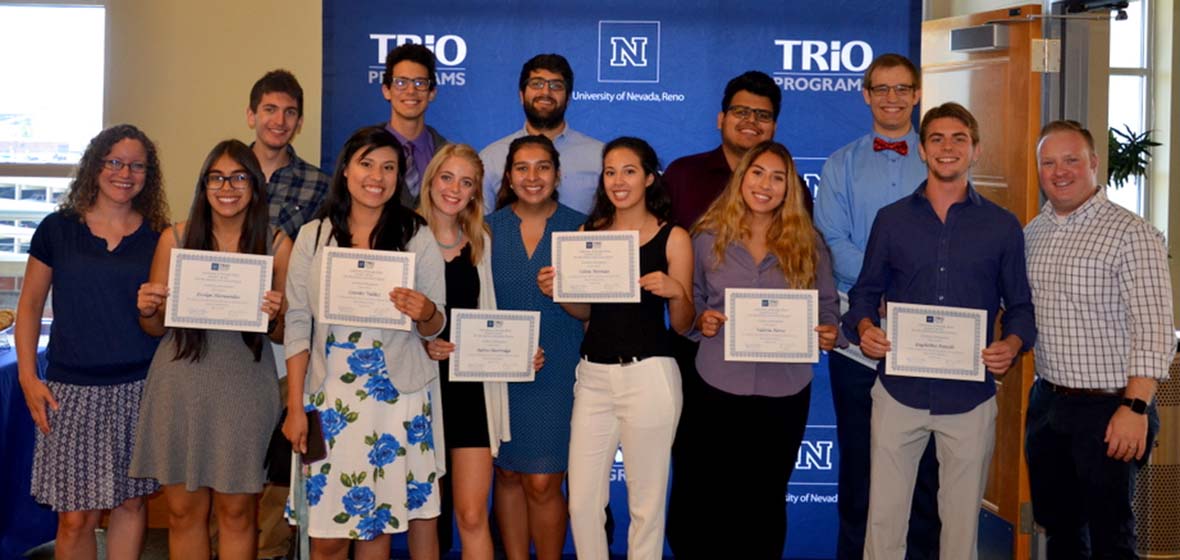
[128,406]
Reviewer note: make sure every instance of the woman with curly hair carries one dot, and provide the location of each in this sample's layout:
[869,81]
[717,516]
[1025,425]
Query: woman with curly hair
[372,387]
[757,234]
[94,252]
[211,402]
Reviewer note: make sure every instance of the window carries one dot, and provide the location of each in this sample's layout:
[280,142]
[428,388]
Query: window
[50,108]
[1130,91]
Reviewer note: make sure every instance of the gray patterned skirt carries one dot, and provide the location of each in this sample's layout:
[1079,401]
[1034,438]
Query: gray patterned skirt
[81,464]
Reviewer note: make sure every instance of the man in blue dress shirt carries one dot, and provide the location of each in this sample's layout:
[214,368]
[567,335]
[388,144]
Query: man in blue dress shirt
[545,84]
[943,245]
[857,180]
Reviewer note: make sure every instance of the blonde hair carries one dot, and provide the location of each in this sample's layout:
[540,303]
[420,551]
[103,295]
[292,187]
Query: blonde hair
[470,218]
[790,238]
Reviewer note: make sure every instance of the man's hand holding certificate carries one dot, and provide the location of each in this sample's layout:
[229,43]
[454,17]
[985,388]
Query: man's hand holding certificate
[355,287]
[764,325]
[216,290]
[494,345]
[596,266]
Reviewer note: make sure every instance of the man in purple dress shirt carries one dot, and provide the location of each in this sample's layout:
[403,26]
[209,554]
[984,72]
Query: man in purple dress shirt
[943,245]
[409,84]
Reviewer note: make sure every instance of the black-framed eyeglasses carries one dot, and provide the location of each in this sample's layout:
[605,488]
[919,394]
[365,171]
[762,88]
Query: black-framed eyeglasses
[420,84]
[902,90]
[137,167]
[237,181]
[541,83]
[741,112]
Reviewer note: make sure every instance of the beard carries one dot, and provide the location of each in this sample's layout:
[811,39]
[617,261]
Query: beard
[542,121]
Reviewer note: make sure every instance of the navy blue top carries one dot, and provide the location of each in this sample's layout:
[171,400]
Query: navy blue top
[95,338]
[975,259]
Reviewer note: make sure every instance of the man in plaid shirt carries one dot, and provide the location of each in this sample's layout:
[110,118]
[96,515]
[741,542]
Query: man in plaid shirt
[1103,303]
[294,187]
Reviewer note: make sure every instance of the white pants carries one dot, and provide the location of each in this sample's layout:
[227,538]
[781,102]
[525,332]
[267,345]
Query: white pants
[639,404]
[964,443]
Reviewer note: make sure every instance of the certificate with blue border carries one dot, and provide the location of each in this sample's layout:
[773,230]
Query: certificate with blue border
[494,345]
[936,341]
[767,325]
[355,286]
[219,291]
[596,266]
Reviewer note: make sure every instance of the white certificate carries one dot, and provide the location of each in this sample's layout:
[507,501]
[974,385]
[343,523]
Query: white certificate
[936,341]
[355,286]
[771,325]
[596,266]
[215,290]
[494,345]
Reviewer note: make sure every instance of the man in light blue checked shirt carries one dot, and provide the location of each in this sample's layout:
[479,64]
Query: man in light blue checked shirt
[1103,298]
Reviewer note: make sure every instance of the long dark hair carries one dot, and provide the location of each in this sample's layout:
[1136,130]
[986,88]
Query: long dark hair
[655,198]
[506,195]
[397,224]
[150,202]
[190,343]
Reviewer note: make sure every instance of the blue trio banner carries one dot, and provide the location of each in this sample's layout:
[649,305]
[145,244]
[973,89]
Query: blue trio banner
[654,69]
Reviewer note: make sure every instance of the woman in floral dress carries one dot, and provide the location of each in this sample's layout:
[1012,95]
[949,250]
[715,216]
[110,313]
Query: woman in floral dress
[371,387]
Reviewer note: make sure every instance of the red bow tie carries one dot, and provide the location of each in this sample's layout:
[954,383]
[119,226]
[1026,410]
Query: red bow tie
[899,146]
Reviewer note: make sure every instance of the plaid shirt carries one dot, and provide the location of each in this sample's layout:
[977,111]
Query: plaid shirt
[295,193]
[1103,296]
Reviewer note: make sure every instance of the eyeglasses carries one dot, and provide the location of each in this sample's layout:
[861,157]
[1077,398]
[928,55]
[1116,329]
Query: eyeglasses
[237,181]
[741,112]
[540,83]
[902,90]
[137,167]
[420,84]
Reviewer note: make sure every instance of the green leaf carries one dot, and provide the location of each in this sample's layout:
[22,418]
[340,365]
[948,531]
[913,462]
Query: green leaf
[361,394]
[319,400]
[346,480]
[431,477]
[401,452]
[326,468]
[376,343]
[354,337]
[391,401]
[340,406]
[393,522]
[1128,155]
[379,472]
[348,377]
[351,417]
[406,425]
[424,447]
[409,477]
[360,478]
[370,440]
[341,518]
[331,338]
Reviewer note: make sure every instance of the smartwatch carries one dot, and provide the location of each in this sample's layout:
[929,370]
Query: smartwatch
[1138,406]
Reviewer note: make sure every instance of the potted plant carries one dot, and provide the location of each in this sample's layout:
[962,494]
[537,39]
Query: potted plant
[1129,154]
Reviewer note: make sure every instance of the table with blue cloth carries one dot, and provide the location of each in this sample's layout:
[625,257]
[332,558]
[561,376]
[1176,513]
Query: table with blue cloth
[23,523]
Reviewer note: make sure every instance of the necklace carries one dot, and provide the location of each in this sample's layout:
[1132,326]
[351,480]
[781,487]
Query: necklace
[458,240]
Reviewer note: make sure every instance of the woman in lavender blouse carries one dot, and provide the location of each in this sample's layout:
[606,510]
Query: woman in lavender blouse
[743,423]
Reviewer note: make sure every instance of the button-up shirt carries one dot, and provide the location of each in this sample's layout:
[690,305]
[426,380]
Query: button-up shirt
[294,193]
[711,278]
[975,259]
[419,150]
[694,182]
[1100,281]
[855,183]
[581,163]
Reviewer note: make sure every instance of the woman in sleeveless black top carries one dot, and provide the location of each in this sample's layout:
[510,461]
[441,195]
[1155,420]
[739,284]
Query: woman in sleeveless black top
[475,414]
[628,385]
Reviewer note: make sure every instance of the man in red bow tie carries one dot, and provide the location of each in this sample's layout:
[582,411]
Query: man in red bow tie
[857,180]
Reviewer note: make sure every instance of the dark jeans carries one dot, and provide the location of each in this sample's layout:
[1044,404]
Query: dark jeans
[1079,495]
[731,462]
[851,383]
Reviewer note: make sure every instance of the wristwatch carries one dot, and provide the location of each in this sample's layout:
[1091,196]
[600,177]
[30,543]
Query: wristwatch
[1138,406]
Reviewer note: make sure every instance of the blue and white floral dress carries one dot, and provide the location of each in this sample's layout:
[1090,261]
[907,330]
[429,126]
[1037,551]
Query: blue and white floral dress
[380,468]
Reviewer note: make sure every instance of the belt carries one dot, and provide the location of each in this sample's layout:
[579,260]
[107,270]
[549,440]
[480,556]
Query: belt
[1074,392]
[612,360]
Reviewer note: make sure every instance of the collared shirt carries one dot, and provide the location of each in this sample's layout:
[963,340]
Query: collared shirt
[1103,296]
[694,182]
[710,279]
[420,150]
[975,260]
[294,193]
[855,183]
[581,163]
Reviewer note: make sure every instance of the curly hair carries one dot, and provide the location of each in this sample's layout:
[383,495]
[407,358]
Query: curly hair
[470,218]
[791,238]
[150,202]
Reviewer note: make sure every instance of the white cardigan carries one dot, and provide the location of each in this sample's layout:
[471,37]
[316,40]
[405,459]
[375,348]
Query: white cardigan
[495,394]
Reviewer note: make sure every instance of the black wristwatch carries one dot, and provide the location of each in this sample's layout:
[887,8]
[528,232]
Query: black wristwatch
[1138,406]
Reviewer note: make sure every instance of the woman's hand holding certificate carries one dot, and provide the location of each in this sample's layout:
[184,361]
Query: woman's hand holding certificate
[356,287]
[214,290]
